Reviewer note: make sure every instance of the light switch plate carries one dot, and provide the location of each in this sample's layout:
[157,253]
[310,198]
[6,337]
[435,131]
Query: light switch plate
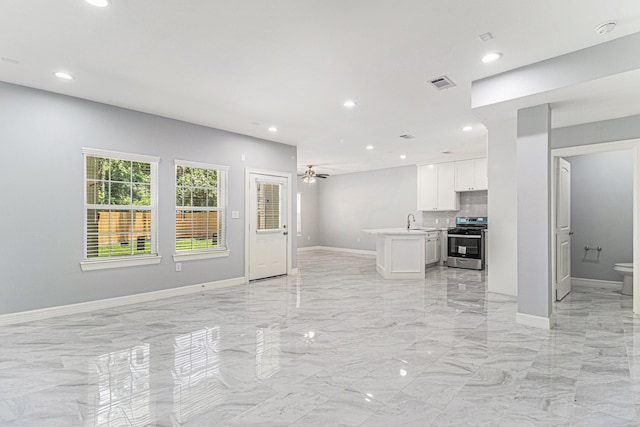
[235,214]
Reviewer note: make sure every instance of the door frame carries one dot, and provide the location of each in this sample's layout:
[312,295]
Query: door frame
[630,144]
[247,216]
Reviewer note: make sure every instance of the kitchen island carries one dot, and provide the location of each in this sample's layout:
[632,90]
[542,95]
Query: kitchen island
[399,252]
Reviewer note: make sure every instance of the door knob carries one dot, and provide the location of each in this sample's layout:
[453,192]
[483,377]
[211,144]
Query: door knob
[285,233]
[571,233]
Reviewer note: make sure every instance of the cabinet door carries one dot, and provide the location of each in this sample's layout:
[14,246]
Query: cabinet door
[448,199]
[431,251]
[480,180]
[465,174]
[427,188]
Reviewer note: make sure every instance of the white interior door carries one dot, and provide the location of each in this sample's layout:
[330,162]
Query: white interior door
[268,232]
[563,229]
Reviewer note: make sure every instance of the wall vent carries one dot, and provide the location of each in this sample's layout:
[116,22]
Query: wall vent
[407,136]
[442,82]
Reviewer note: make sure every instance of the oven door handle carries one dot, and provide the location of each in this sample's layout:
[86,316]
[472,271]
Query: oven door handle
[465,236]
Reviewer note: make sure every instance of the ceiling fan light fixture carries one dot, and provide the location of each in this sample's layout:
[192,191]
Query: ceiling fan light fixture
[308,179]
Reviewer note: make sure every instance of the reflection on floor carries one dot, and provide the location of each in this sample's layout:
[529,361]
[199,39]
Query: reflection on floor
[336,345]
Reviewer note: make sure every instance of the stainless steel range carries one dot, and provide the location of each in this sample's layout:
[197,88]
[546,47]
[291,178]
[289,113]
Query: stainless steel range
[466,243]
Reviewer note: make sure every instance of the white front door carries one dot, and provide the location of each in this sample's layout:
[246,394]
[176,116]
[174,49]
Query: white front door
[563,229]
[268,231]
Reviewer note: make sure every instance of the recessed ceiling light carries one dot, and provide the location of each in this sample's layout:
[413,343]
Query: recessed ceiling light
[605,27]
[491,57]
[403,156]
[350,103]
[273,129]
[63,75]
[369,147]
[467,129]
[98,3]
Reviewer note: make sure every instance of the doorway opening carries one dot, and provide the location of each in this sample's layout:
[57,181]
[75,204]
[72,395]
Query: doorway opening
[561,254]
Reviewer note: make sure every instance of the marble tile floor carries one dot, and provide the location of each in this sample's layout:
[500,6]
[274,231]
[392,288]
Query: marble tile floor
[334,346]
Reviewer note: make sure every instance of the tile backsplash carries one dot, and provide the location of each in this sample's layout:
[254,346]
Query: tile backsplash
[472,203]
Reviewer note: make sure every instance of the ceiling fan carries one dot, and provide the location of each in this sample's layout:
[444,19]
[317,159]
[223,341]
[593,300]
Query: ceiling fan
[310,175]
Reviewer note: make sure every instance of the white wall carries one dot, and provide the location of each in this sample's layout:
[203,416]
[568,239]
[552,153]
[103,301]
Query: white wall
[42,195]
[502,207]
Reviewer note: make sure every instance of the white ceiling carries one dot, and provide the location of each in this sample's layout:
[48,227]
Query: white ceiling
[245,65]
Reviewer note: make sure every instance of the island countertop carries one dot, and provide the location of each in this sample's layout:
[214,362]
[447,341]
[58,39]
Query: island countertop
[400,231]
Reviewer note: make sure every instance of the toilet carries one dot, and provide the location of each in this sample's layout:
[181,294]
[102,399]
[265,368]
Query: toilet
[626,269]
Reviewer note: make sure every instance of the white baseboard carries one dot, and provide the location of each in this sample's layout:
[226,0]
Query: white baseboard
[536,321]
[64,310]
[343,250]
[593,283]
[309,248]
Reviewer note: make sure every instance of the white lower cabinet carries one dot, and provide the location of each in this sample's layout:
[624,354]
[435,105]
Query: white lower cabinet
[432,248]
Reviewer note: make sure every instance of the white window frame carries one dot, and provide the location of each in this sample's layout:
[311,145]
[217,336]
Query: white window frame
[89,264]
[206,253]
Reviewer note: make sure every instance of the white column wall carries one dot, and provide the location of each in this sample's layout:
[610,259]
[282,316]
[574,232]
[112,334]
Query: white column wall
[503,243]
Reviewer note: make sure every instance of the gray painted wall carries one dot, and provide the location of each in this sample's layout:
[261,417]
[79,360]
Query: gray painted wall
[42,215]
[601,213]
[310,233]
[375,199]
[534,211]
[596,132]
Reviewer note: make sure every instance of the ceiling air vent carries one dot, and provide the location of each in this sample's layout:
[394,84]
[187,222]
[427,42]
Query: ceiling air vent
[442,82]
[407,136]
[485,37]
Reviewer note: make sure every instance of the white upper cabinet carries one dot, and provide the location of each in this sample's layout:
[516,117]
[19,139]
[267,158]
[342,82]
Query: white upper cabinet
[471,175]
[436,190]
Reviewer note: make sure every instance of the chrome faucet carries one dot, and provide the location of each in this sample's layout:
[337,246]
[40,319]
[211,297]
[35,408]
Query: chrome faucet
[409,219]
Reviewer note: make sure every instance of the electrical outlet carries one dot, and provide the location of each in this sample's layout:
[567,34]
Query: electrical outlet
[178,266]
[308,237]
[448,220]
[437,220]
[358,240]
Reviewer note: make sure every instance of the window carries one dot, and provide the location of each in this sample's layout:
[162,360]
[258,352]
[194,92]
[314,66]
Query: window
[120,209]
[201,199]
[268,206]
[299,214]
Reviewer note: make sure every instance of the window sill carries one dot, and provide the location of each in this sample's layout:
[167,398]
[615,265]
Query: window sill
[119,263]
[192,256]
